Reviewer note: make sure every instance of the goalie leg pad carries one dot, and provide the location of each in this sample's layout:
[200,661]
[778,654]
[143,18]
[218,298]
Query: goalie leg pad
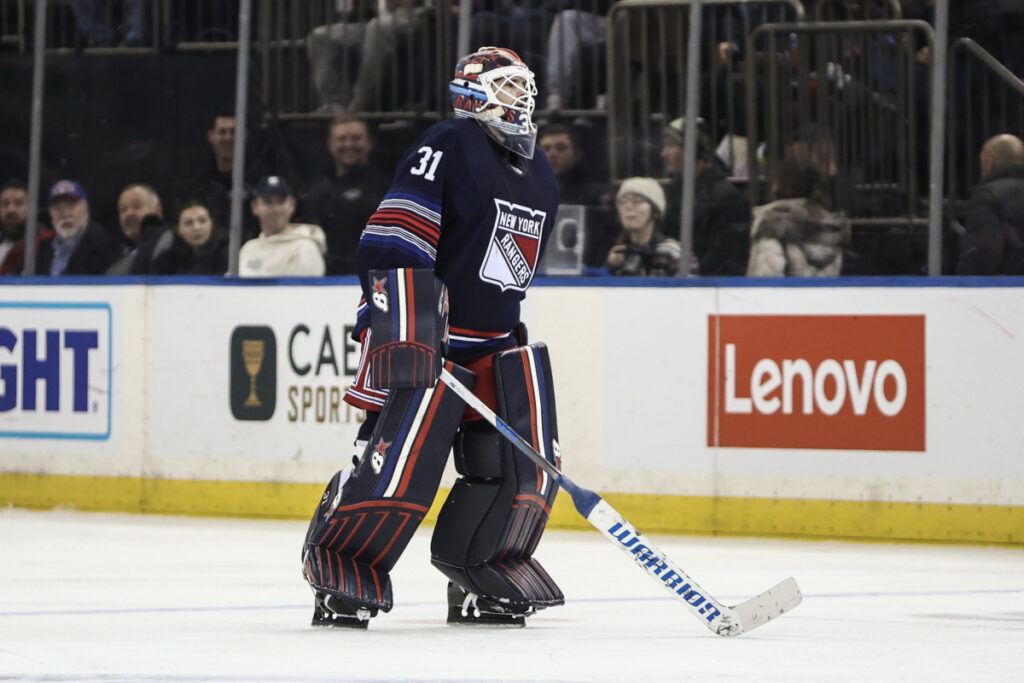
[408,327]
[368,514]
[490,525]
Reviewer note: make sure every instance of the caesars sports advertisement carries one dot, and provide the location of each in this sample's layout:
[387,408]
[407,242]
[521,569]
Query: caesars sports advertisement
[817,381]
[261,380]
[304,374]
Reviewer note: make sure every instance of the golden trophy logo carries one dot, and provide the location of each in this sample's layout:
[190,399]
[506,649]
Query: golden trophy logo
[253,383]
[252,356]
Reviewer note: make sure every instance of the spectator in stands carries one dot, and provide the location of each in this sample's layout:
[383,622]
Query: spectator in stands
[198,247]
[141,217]
[573,33]
[521,26]
[721,213]
[213,182]
[344,199]
[994,241]
[561,144]
[283,248]
[796,235]
[331,66]
[96,21]
[78,244]
[13,214]
[377,39]
[996,25]
[642,249]
[815,145]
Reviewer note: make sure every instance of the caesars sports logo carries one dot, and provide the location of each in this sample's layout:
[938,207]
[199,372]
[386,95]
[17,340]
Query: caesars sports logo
[817,381]
[253,372]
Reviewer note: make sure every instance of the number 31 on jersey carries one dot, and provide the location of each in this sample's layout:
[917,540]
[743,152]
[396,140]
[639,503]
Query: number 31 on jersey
[429,159]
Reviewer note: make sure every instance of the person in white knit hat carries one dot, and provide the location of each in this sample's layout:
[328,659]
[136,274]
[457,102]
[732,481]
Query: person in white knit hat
[283,248]
[641,248]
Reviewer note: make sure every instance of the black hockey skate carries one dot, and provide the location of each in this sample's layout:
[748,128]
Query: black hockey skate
[470,608]
[331,612]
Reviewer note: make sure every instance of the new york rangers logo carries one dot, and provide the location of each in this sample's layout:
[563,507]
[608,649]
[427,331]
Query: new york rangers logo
[514,249]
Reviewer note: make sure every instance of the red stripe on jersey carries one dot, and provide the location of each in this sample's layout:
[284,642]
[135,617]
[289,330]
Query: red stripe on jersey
[407,221]
[407,216]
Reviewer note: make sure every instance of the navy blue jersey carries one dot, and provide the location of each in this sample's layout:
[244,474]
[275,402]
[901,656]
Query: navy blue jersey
[476,215]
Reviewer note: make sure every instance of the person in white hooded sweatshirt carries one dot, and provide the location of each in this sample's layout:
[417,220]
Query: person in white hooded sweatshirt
[283,248]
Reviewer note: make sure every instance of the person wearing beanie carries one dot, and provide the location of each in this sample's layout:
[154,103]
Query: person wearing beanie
[642,249]
[721,213]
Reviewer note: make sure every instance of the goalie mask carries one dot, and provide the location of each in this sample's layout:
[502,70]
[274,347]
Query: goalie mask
[495,87]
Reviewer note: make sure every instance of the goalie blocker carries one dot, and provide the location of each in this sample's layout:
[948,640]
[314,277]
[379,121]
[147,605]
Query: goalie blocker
[491,523]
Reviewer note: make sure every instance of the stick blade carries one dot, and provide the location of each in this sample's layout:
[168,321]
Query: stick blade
[760,609]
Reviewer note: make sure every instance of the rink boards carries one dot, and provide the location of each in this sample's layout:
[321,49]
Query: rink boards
[879,409]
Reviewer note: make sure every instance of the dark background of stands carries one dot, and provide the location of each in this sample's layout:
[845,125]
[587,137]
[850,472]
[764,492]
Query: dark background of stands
[120,114]
[114,119]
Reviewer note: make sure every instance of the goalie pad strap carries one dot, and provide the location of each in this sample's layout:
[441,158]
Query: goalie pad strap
[409,326]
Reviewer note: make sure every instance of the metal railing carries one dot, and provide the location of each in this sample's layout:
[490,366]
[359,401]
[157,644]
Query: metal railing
[113,26]
[317,62]
[12,25]
[198,24]
[100,26]
[855,10]
[852,95]
[647,76]
[985,99]
[847,95]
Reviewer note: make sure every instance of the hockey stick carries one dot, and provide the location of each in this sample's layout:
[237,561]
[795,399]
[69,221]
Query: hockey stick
[721,619]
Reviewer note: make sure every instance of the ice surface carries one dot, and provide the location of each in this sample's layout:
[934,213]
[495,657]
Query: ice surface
[98,597]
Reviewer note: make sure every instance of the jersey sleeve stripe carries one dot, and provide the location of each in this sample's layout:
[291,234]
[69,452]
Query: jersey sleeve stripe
[384,213]
[428,205]
[411,222]
[396,238]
